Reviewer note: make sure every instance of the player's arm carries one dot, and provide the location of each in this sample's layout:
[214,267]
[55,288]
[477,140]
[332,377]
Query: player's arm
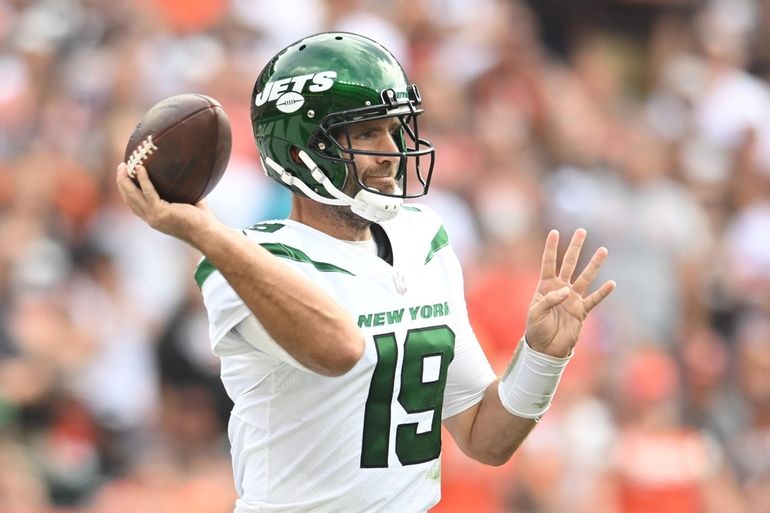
[486,431]
[296,313]
[493,429]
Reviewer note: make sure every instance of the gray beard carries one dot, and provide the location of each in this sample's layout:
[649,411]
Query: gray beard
[346,217]
[343,214]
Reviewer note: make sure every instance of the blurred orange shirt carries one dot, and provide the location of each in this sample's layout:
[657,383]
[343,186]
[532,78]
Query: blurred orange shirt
[662,472]
[498,301]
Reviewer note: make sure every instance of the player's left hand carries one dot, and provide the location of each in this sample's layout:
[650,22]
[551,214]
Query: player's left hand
[560,306]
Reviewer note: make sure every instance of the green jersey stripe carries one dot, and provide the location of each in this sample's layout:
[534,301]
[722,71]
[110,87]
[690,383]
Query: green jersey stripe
[267,227]
[440,240]
[203,271]
[284,251]
[205,268]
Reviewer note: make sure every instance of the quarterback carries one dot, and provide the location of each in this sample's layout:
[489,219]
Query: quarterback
[342,331]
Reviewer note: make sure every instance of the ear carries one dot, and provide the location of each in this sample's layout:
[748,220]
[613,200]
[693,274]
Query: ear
[294,153]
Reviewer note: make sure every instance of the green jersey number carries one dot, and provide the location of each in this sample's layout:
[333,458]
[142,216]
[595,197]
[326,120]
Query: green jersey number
[427,353]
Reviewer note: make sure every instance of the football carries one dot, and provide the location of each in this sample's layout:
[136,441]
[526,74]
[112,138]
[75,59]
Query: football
[184,143]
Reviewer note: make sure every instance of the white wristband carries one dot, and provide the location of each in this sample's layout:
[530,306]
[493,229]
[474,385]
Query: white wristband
[528,385]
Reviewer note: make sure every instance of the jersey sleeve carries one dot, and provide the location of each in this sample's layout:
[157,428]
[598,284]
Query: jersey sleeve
[470,374]
[225,309]
[250,330]
[233,329]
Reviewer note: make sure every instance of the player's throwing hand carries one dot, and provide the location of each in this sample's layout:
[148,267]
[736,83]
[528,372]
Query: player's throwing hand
[177,219]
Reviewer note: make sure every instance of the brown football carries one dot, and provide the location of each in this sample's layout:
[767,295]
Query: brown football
[184,143]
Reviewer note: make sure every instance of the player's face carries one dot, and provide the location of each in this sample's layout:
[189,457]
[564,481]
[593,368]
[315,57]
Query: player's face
[375,171]
[378,172]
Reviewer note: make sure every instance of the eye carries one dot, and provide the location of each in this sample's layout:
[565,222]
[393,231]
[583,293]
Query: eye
[366,134]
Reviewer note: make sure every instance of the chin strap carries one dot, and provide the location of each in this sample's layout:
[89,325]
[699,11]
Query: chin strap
[375,207]
[369,205]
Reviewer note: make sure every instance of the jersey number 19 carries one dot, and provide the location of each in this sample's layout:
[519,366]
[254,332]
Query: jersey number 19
[427,354]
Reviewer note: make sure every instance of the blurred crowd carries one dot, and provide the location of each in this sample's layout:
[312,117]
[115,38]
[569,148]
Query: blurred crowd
[646,122]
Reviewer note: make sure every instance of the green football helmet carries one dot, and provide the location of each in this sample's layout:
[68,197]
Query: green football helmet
[307,97]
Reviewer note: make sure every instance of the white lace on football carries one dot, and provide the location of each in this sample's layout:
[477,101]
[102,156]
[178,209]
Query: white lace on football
[139,155]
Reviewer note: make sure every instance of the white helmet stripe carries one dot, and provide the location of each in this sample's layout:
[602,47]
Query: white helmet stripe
[290,180]
[374,207]
[368,205]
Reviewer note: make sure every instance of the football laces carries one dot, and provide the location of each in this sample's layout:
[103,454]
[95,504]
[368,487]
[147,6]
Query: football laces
[140,155]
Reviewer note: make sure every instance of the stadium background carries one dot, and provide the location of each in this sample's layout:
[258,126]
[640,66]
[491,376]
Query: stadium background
[645,121]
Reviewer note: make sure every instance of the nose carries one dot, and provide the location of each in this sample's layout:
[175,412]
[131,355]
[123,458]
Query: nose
[387,144]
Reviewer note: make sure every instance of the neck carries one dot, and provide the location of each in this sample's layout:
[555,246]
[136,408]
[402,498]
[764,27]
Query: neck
[339,222]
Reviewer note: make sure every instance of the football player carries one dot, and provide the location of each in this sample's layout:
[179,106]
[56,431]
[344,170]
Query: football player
[342,331]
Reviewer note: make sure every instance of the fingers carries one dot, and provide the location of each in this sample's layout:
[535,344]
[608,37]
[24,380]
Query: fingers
[128,190]
[573,253]
[589,273]
[548,264]
[142,199]
[597,297]
[553,298]
[146,185]
[121,176]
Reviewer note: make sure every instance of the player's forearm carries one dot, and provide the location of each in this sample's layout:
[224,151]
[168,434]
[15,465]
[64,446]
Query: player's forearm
[493,430]
[308,323]
[495,434]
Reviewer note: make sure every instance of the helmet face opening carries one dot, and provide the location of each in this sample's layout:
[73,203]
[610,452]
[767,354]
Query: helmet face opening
[332,141]
[308,98]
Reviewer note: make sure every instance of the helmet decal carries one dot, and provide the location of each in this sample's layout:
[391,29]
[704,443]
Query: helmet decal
[273,91]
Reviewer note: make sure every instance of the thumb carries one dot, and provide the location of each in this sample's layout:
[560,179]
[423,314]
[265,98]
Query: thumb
[203,205]
[553,298]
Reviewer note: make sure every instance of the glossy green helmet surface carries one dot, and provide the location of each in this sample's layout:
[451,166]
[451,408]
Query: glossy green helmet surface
[312,90]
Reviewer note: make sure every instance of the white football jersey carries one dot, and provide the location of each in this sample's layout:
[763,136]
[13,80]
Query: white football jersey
[370,440]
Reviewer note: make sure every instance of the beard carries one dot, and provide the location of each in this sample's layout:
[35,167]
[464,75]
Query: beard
[343,214]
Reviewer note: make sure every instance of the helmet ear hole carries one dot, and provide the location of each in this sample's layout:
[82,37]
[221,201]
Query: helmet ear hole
[294,154]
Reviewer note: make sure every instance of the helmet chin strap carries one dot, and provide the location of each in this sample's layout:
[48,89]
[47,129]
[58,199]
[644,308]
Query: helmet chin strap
[375,207]
[371,206]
